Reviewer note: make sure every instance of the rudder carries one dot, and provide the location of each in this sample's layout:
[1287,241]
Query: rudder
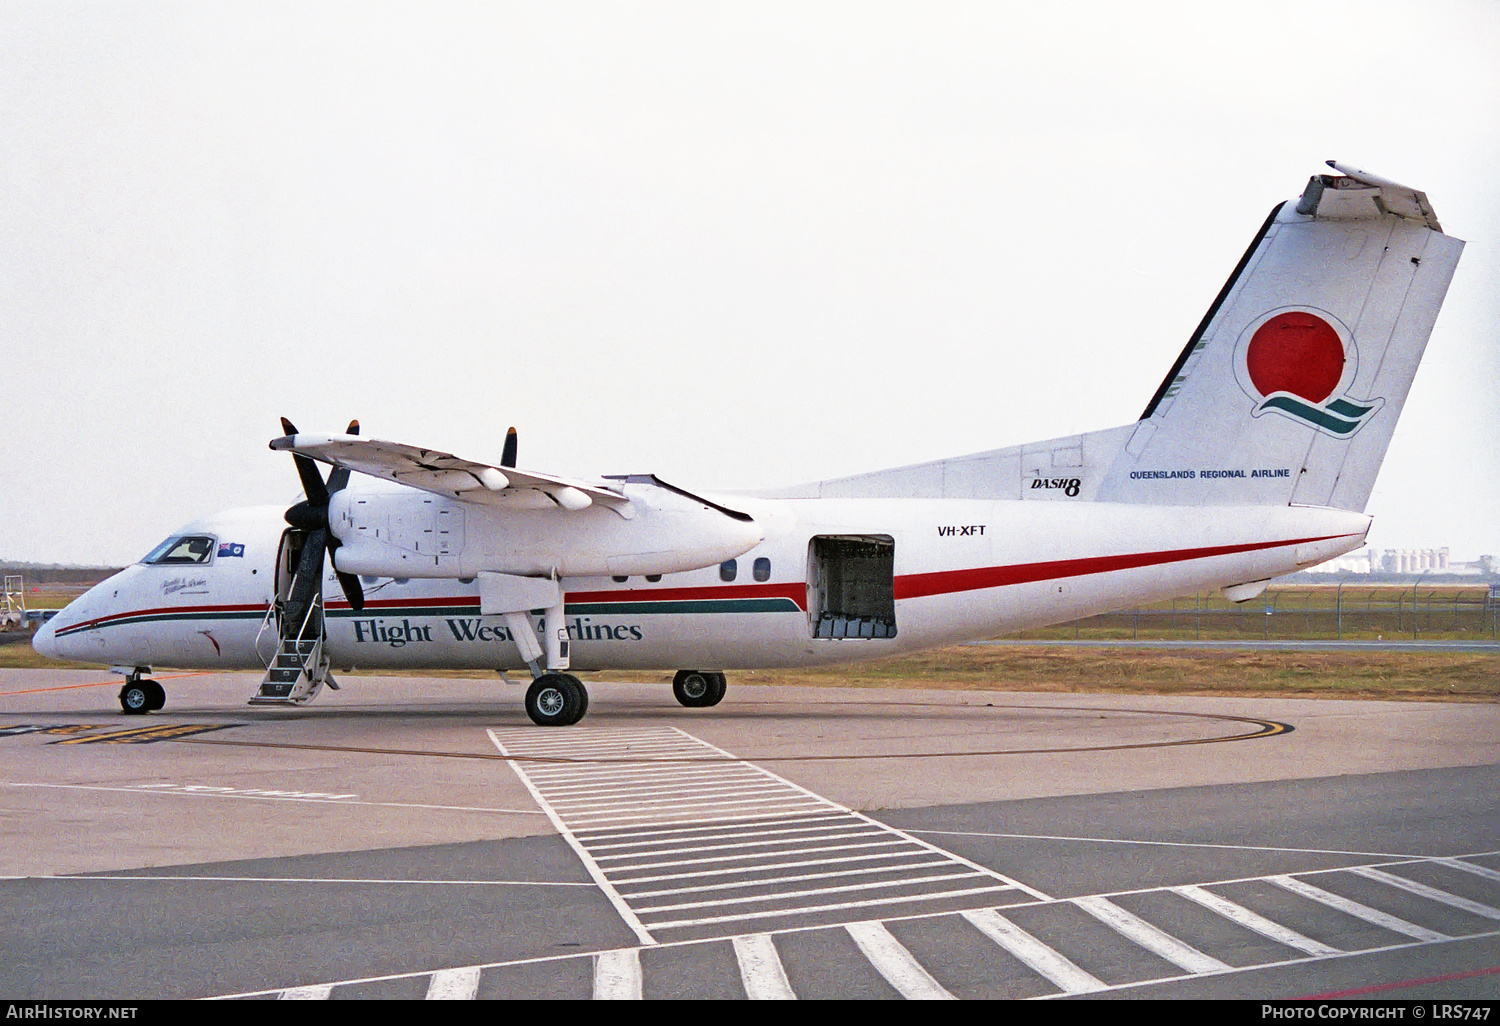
[1290,389]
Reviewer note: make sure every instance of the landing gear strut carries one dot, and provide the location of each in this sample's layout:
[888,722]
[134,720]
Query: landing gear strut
[556,700]
[697,689]
[139,697]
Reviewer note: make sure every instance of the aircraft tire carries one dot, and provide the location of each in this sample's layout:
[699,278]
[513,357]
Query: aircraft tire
[721,685]
[556,700]
[158,695]
[697,689]
[135,698]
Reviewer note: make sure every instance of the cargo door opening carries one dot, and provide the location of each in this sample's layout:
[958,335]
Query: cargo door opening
[851,586]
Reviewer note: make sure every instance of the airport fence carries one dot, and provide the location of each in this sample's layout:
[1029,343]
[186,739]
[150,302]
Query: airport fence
[1318,612]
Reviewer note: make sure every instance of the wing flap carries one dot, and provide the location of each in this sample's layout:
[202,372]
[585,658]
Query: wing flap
[452,476]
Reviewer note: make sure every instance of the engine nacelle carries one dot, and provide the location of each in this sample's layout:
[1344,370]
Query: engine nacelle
[419,534]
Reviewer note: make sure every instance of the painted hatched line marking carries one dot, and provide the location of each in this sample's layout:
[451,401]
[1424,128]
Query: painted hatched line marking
[617,975]
[775,865]
[761,970]
[735,837]
[802,877]
[837,907]
[582,852]
[853,830]
[744,856]
[891,959]
[721,837]
[784,895]
[1009,883]
[620,973]
[1426,891]
[1255,921]
[1469,867]
[645,795]
[1359,911]
[707,822]
[1037,956]
[454,984]
[1134,928]
[653,810]
[744,825]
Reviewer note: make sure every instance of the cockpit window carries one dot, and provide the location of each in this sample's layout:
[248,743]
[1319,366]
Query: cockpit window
[182,548]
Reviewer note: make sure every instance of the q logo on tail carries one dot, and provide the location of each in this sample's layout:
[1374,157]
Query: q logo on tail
[1299,362]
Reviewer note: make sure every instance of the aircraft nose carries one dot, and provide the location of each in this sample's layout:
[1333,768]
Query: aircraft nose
[44,641]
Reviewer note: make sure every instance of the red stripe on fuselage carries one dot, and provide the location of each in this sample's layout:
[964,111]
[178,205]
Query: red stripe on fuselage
[947,582]
[796,592]
[942,582]
[105,621]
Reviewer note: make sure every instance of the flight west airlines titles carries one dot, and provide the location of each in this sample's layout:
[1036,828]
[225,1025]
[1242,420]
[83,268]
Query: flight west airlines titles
[475,629]
[1254,458]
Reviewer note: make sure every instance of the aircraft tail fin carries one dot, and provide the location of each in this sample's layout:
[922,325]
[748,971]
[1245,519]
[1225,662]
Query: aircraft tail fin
[1289,390]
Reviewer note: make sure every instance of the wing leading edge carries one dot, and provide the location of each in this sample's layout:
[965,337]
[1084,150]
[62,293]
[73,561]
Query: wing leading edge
[442,473]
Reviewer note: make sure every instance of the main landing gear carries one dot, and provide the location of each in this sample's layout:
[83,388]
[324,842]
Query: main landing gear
[139,697]
[556,700]
[697,689]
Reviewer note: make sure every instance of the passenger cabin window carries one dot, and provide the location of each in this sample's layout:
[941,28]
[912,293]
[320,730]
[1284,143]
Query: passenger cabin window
[180,549]
[728,569]
[762,569]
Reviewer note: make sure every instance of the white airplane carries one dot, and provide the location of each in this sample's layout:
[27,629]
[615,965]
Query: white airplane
[1254,459]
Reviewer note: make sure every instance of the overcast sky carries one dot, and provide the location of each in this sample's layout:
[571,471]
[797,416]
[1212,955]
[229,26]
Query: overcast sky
[738,245]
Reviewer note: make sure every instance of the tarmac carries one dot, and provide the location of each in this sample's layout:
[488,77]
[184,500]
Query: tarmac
[421,838]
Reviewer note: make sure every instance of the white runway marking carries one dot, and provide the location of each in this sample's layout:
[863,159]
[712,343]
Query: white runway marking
[454,985]
[1041,958]
[891,959]
[696,838]
[1354,908]
[617,975]
[121,878]
[1413,887]
[1170,844]
[761,970]
[1469,867]
[1149,937]
[1255,921]
[588,861]
[180,793]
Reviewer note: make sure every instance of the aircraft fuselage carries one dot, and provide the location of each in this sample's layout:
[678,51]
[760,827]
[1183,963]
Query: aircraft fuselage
[834,580]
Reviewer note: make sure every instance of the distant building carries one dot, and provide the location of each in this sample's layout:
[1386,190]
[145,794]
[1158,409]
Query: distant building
[1408,563]
[1415,561]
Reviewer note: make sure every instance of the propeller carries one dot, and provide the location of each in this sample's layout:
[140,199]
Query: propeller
[311,516]
[508,454]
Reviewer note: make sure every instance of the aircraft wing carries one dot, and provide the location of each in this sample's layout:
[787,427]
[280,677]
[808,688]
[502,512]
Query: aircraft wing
[445,474]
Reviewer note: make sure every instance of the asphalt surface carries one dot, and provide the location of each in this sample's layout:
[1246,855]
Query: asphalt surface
[420,839]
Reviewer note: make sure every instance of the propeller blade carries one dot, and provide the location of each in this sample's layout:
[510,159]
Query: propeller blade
[309,570]
[352,590]
[339,476]
[508,454]
[312,481]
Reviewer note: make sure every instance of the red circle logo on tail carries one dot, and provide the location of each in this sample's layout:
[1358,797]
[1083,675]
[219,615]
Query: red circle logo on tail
[1296,352]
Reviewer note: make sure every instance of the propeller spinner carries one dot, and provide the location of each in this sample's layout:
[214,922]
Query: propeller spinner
[311,515]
